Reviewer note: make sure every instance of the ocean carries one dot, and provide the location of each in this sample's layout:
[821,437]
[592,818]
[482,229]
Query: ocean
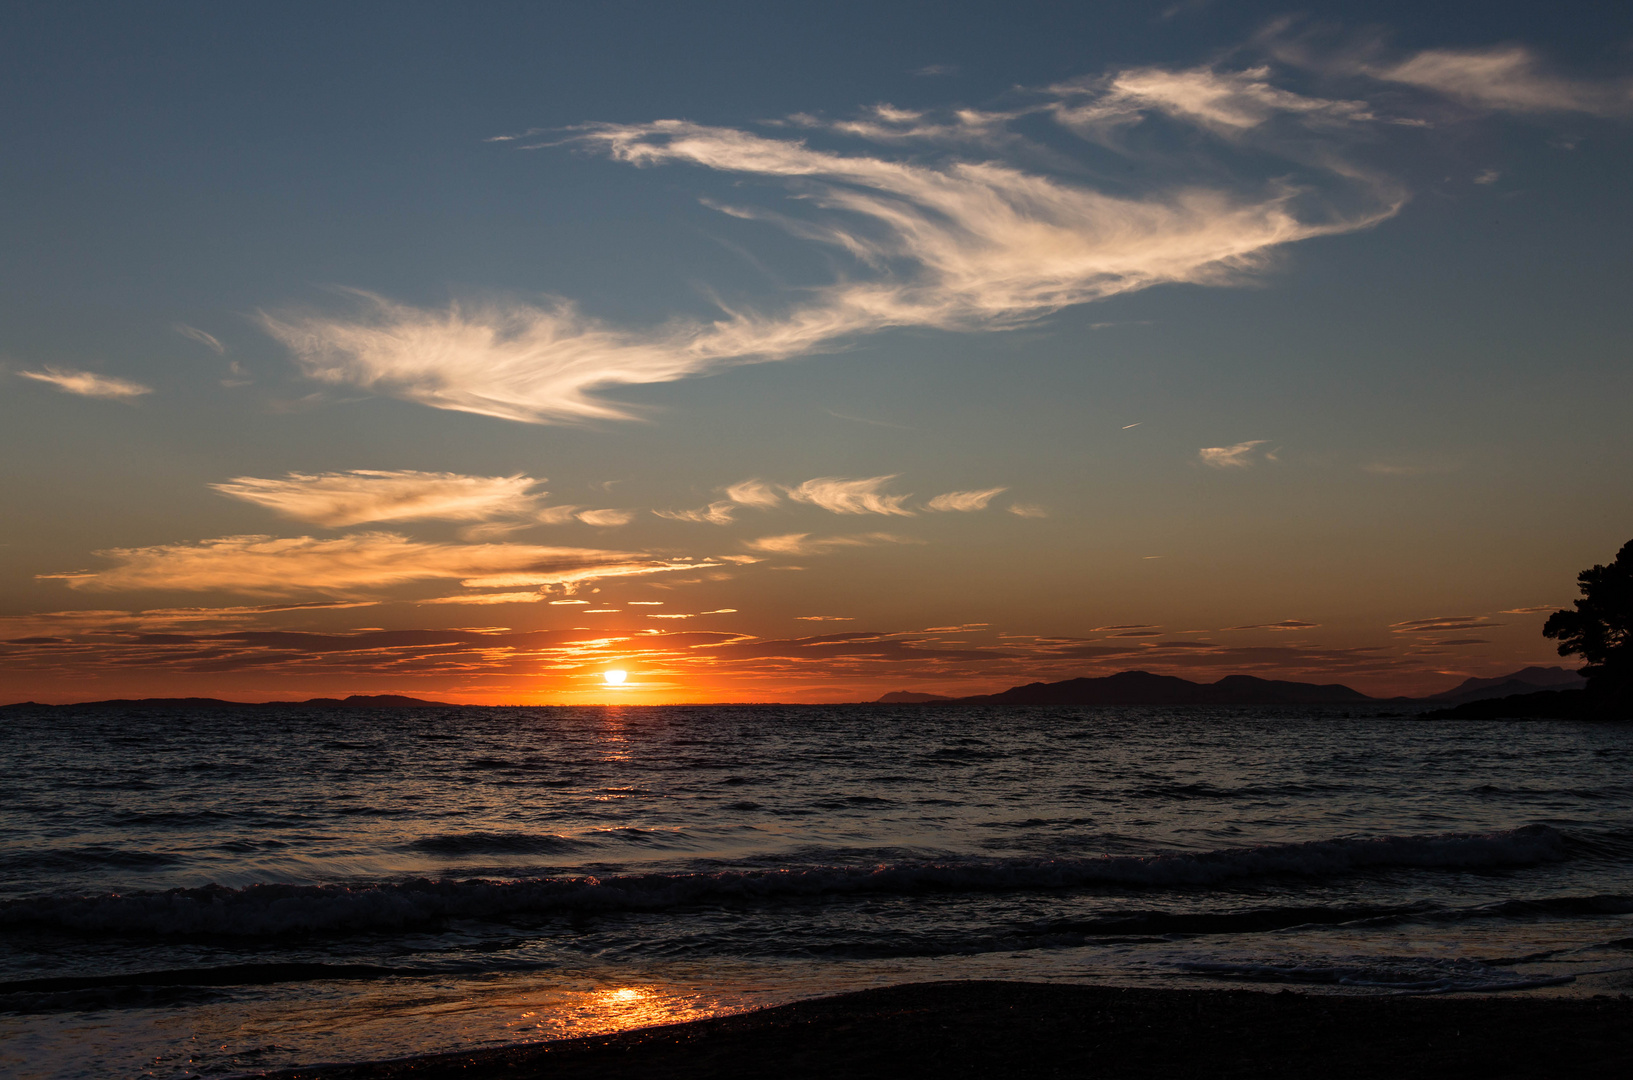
[221,893]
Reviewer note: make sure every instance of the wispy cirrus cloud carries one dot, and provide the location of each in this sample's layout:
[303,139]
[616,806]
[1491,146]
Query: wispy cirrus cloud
[1441,624]
[359,496]
[836,494]
[486,599]
[1284,625]
[716,513]
[274,566]
[993,245]
[846,496]
[601,518]
[964,501]
[806,544]
[51,624]
[756,493]
[1229,103]
[208,340]
[606,519]
[1509,78]
[975,238]
[1240,456]
[88,383]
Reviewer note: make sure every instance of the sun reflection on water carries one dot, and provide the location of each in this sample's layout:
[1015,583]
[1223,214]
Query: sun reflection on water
[632,1007]
[387,1019]
[621,1008]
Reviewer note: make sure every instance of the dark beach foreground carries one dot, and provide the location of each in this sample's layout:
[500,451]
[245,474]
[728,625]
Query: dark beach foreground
[1034,1029]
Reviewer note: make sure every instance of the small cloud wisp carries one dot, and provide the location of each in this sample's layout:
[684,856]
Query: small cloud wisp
[1240,456]
[88,383]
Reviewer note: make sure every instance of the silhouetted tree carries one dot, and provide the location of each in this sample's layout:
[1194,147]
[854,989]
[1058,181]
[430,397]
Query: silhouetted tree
[1600,631]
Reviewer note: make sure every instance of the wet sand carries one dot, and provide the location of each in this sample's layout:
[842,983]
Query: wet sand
[1001,1029]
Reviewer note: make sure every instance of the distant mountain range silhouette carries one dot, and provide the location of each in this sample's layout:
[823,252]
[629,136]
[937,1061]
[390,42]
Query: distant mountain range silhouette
[1144,688]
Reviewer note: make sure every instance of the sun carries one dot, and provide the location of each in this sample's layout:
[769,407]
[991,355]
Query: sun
[615,677]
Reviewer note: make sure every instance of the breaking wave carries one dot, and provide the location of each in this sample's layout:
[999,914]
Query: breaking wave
[273,909]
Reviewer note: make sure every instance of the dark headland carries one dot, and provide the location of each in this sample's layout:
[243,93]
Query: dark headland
[998,1029]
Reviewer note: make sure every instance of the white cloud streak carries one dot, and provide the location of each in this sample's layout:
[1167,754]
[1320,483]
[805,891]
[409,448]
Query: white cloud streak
[272,566]
[339,499]
[88,383]
[955,245]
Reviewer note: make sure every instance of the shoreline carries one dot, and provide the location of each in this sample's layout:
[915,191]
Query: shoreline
[943,1029]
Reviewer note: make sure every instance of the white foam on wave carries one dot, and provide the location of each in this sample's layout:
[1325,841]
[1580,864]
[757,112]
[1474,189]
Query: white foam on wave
[272,909]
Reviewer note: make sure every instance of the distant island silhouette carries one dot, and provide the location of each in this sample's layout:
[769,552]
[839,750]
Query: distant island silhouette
[1145,688]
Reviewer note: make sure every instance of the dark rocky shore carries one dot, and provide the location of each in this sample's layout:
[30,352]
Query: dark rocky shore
[970,1029]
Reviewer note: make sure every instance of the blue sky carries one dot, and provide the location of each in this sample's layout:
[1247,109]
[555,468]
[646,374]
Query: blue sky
[871,346]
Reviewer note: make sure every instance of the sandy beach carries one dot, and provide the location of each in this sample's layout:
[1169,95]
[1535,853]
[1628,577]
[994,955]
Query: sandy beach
[1032,1029]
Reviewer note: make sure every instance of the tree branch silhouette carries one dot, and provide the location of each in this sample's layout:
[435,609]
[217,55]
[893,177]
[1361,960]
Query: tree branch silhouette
[1600,630]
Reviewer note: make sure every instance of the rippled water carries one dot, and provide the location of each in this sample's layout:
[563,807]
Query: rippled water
[197,893]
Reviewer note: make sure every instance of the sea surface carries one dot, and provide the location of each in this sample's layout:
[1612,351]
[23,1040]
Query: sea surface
[222,893]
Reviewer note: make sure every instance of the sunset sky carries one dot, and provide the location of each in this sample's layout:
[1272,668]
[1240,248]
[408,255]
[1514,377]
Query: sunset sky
[803,353]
